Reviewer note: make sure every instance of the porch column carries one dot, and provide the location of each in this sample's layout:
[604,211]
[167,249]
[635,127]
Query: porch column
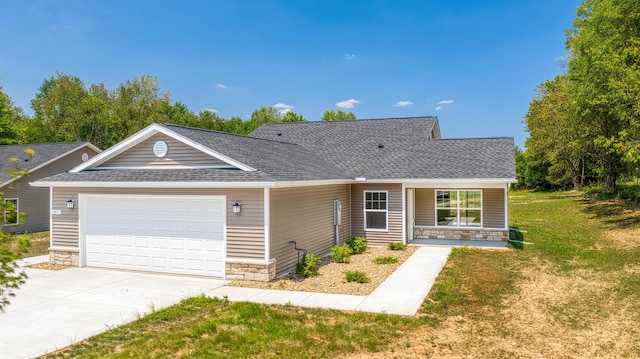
[410,213]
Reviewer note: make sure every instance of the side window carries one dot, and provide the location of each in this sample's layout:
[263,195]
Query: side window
[11,211]
[375,210]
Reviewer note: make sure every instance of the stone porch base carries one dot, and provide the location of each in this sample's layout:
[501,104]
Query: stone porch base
[64,256]
[462,234]
[239,269]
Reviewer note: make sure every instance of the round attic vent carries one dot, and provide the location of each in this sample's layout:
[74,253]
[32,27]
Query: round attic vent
[85,157]
[160,149]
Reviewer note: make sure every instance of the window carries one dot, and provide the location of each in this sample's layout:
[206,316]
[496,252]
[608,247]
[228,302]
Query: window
[459,208]
[10,211]
[375,211]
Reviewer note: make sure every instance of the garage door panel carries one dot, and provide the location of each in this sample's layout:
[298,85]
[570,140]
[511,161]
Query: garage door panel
[175,234]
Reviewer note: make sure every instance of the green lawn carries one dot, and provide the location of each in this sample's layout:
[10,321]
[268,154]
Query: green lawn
[574,292]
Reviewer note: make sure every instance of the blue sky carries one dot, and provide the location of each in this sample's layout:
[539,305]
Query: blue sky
[474,64]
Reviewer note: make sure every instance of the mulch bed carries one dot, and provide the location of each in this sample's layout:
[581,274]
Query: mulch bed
[332,279]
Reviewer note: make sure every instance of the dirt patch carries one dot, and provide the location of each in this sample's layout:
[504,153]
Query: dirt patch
[331,279]
[620,239]
[48,266]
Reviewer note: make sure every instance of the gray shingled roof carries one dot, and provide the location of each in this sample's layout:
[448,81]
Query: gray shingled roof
[277,160]
[162,175]
[397,149]
[43,153]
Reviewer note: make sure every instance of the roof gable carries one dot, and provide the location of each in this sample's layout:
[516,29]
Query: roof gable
[44,154]
[118,153]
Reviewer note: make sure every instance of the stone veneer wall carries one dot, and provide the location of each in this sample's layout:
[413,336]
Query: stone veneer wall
[250,271]
[462,234]
[65,257]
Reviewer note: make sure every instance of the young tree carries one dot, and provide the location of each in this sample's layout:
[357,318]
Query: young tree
[10,116]
[11,247]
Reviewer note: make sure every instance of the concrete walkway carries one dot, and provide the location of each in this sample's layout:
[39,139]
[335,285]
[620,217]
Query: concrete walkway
[55,309]
[402,293]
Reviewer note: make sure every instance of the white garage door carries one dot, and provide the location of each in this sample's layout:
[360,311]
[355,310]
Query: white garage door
[169,234]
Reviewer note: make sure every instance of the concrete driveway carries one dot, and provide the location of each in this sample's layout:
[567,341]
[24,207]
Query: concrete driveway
[57,308]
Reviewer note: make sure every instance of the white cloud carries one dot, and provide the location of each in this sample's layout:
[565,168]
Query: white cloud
[445,102]
[349,56]
[211,110]
[348,103]
[283,107]
[438,108]
[221,86]
[403,103]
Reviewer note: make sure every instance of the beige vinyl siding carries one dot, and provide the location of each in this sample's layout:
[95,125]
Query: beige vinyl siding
[34,201]
[245,231]
[425,207]
[305,215]
[394,204]
[493,208]
[179,154]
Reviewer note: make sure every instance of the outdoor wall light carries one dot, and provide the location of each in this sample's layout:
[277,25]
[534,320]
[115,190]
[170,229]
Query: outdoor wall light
[70,204]
[236,207]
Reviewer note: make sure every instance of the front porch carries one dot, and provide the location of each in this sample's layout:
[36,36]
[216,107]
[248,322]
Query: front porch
[460,243]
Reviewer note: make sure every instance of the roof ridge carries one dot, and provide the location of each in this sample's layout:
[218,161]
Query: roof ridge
[353,121]
[231,134]
[473,138]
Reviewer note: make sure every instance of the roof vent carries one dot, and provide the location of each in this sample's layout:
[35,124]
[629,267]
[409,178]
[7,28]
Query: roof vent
[279,133]
[381,146]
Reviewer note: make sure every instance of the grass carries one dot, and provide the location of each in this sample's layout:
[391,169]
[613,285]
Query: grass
[385,260]
[574,292]
[39,244]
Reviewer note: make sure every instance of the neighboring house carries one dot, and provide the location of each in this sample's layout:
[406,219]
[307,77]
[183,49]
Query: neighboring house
[184,200]
[48,159]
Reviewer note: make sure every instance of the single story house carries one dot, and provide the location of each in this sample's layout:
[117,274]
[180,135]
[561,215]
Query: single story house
[190,201]
[46,160]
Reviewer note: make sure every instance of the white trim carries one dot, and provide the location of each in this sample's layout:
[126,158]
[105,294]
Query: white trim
[163,167]
[426,182]
[266,204]
[51,217]
[506,206]
[148,132]
[386,211]
[86,144]
[92,184]
[405,238]
[196,184]
[82,218]
[411,213]
[4,212]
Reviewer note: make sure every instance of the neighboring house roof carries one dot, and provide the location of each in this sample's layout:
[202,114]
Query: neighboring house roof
[383,149]
[43,155]
[400,148]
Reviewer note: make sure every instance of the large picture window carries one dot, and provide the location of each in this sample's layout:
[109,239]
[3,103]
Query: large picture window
[375,210]
[458,208]
[10,211]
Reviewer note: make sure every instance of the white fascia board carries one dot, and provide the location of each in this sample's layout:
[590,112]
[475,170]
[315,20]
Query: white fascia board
[86,144]
[118,148]
[206,150]
[92,184]
[449,183]
[310,183]
[144,134]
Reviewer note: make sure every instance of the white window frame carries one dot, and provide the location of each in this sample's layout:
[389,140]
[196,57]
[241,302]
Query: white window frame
[365,210]
[458,208]
[4,215]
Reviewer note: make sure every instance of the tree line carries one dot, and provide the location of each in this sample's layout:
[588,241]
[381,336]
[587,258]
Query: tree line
[68,109]
[584,124]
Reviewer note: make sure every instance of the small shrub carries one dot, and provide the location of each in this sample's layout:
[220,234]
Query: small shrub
[357,244]
[356,276]
[308,266]
[385,260]
[627,193]
[397,246]
[341,254]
